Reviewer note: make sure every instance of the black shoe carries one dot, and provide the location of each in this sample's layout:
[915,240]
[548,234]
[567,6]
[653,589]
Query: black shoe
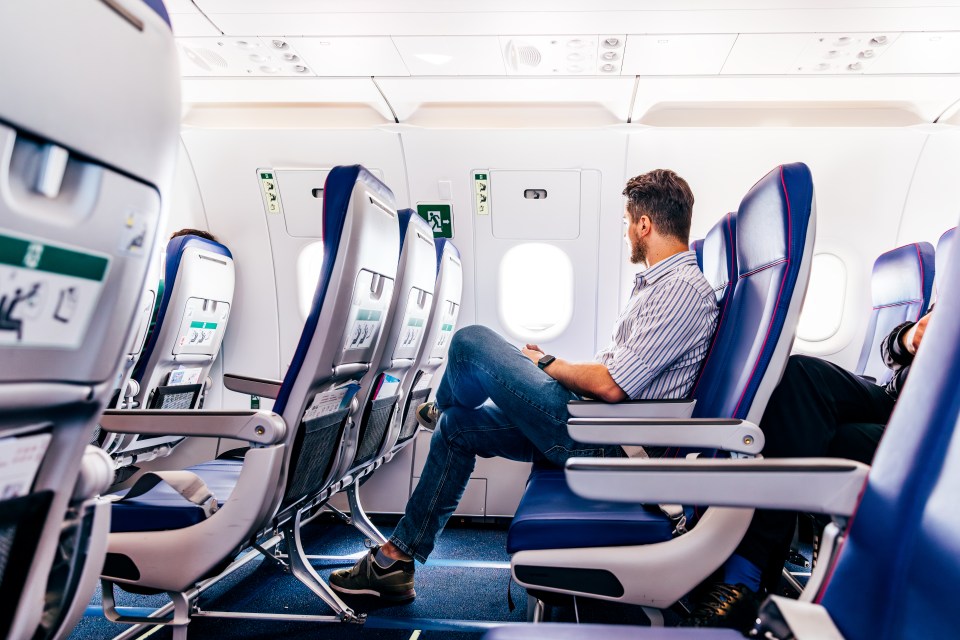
[393,583]
[725,605]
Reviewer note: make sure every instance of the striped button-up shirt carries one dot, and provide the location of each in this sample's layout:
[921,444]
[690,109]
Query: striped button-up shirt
[663,335]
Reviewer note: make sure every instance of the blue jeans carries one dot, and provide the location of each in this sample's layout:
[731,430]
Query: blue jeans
[494,402]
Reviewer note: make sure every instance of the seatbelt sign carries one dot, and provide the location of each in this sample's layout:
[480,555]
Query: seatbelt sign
[439,217]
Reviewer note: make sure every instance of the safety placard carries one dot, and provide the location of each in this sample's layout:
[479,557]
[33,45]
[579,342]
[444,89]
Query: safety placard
[201,334]
[439,217]
[481,193]
[446,331]
[364,329]
[411,335]
[48,293]
[270,191]
[20,460]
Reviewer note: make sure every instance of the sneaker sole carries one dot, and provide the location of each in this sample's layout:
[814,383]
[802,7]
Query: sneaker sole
[398,597]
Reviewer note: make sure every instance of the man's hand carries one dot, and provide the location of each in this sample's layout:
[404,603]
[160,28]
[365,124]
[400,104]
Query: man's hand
[533,352]
[913,337]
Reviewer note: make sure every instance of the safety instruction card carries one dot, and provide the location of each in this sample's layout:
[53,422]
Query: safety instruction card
[48,293]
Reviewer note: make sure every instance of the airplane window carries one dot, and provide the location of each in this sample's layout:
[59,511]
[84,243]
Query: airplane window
[536,291]
[309,263]
[823,306]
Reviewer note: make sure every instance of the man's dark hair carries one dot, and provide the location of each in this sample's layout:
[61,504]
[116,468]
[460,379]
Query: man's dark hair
[665,198]
[193,232]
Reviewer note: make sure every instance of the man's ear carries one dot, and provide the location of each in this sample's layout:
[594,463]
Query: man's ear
[646,226]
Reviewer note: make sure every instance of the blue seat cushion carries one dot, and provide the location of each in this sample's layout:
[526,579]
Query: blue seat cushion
[163,509]
[551,516]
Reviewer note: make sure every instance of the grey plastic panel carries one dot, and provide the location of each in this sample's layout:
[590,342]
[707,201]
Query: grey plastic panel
[202,292]
[586,409]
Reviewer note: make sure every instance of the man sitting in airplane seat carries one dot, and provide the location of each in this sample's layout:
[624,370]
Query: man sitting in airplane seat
[497,400]
[817,410]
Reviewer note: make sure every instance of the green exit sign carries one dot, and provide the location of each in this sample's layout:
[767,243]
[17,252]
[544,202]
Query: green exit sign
[439,217]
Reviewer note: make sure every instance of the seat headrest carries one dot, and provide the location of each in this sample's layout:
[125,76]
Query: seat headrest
[903,275]
[697,247]
[765,239]
[177,246]
[718,254]
[442,244]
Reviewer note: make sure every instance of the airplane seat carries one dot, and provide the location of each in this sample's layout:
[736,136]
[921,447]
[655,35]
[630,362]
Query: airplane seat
[537,515]
[874,580]
[697,247]
[437,335]
[390,379]
[84,178]
[172,370]
[203,516]
[900,285]
[944,250]
[584,555]
[404,331]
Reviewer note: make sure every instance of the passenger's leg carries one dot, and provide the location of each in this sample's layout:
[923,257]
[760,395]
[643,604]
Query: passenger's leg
[857,441]
[482,366]
[461,436]
[805,414]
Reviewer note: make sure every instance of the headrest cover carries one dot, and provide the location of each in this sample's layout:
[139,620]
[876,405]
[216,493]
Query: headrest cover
[903,275]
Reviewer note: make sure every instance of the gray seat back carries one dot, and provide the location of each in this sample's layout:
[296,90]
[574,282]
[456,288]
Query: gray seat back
[83,177]
[439,331]
[341,336]
[382,387]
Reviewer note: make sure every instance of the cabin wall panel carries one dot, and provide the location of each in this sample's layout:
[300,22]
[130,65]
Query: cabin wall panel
[861,177]
[266,321]
[933,203]
[435,156]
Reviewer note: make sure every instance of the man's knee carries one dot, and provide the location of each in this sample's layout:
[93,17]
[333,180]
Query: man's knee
[472,338]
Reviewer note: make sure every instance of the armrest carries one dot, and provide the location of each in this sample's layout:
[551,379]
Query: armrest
[700,433]
[821,485]
[631,409]
[249,385]
[256,427]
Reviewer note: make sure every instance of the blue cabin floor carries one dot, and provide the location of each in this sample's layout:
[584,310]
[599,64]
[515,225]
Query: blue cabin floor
[465,581]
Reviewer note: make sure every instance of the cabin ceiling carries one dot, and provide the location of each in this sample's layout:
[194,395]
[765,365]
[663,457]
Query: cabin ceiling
[628,58]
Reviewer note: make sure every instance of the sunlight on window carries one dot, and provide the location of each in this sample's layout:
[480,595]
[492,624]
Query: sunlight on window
[823,306]
[536,291]
[309,263]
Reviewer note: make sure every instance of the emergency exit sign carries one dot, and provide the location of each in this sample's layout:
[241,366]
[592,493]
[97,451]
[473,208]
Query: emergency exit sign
[439,217]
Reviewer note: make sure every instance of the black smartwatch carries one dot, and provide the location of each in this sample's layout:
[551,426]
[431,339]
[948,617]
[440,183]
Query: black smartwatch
[545,361]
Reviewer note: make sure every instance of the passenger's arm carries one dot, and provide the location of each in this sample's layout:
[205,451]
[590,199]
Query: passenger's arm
[590,379]
[898,348]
